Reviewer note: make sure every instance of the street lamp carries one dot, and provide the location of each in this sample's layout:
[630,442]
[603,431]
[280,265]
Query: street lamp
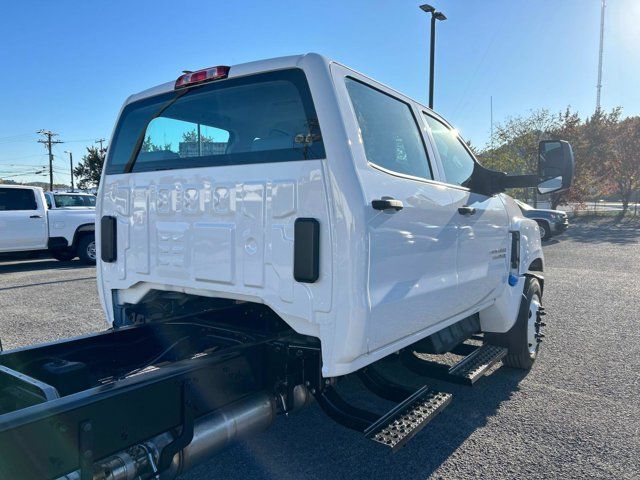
[435,15]
[71,165]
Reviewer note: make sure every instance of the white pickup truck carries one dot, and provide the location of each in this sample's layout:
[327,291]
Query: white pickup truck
[61,222]
[265,230]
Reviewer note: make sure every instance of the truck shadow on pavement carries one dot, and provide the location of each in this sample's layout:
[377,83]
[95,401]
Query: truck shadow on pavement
[15,265]
[308,445]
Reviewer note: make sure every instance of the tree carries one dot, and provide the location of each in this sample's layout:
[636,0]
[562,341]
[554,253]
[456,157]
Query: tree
[88,172]
[623,165]
[192,136]
[149,146]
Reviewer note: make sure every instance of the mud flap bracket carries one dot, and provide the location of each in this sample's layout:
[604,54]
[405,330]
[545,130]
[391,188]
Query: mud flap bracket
[186,434]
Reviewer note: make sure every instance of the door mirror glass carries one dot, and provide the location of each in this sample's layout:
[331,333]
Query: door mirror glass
[555,166]
[551,185]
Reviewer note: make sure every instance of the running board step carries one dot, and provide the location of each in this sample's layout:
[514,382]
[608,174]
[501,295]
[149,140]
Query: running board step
[394,428]
[402,422]
[467,371]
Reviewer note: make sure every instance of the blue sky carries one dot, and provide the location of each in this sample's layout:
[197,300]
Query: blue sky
[68,65]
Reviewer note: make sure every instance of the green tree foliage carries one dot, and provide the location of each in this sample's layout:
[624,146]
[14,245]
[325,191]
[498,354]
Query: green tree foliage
[88,172]
[149,146]
[192,136]
[606,149]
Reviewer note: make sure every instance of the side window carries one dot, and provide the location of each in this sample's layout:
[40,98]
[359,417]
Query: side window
[457,162]
[389,132]
[17,199]
[47,199]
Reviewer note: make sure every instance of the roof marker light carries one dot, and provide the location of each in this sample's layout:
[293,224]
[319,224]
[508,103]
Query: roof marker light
[204,75]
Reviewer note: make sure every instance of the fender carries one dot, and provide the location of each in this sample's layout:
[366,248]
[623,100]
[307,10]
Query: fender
[501,316]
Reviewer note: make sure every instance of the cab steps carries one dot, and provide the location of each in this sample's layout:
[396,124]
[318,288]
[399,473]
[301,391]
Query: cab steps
[477,362]
[395,428]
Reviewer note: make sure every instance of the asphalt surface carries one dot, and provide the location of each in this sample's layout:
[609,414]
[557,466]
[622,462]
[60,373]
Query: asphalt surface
[575,415]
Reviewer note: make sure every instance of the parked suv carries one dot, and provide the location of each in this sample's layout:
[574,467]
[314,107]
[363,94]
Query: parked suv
[550,222]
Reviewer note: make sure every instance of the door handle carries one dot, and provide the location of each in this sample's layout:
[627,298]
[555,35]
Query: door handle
[35,216]
[387,203]
[466,210]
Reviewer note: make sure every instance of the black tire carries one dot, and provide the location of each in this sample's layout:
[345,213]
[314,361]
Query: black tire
[545,229]
[520,355]
[87,249]
[63,255]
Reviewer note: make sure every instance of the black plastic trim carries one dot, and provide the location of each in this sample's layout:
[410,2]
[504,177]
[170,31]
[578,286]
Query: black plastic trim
[306,250]
[109,239]
[515,250]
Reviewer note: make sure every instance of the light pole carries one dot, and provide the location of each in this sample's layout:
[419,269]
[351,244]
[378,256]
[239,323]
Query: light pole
[71,165]
[435,15]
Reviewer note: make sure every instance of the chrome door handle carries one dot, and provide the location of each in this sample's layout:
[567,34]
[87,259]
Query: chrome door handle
[466,210]
[387,203]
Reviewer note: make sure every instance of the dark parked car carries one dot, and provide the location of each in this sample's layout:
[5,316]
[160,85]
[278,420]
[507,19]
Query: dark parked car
[551,222]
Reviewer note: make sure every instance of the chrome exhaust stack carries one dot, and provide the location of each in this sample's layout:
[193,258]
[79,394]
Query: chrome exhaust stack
[212,433]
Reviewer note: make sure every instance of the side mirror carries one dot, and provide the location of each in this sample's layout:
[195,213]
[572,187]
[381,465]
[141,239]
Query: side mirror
[555,166]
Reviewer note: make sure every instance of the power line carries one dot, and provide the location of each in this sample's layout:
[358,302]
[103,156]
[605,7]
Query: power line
[48,140]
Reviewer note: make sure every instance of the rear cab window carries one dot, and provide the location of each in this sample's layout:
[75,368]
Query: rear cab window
[389,132]
[12,199]
[69,200]
[261,118]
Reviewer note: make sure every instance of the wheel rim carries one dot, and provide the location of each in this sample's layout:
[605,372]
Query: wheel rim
[91,250]
[532,330]
[543,231]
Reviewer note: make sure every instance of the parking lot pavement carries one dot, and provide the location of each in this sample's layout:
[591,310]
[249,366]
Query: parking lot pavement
[575,415]
[42,300]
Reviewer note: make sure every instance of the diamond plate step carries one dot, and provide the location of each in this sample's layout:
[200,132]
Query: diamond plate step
[401,423]
[475,365]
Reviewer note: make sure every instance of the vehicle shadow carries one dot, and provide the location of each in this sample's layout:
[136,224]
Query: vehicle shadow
[15,265]
[607,231]
[310,445]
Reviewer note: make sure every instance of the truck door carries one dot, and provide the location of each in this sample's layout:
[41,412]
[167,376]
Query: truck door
[482,221]
[23,220]
[411,232]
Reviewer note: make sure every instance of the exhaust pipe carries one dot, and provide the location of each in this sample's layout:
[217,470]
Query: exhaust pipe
[211,434]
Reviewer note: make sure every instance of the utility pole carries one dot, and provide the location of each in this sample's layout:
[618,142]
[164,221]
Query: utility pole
[48,141]
[71,166]
[599,87]
[100,140]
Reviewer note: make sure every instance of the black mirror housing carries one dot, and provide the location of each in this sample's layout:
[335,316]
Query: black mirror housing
[555,166]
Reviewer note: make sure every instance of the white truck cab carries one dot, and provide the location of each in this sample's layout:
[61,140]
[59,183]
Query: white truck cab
[32,220]
[264,230]
[358,215]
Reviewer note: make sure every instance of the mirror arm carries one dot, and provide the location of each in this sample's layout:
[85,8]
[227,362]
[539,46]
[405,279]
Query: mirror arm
[520,181]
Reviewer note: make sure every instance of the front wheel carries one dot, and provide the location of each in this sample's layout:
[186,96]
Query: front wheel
[545,230]
[87,249]
[524,338]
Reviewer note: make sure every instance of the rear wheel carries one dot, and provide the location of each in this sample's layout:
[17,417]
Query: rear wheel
[87,249]
[523,340]
[63,255]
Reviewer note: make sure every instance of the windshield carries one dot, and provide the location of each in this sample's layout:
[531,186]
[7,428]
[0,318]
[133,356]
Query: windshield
[69,200]
[261,118]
